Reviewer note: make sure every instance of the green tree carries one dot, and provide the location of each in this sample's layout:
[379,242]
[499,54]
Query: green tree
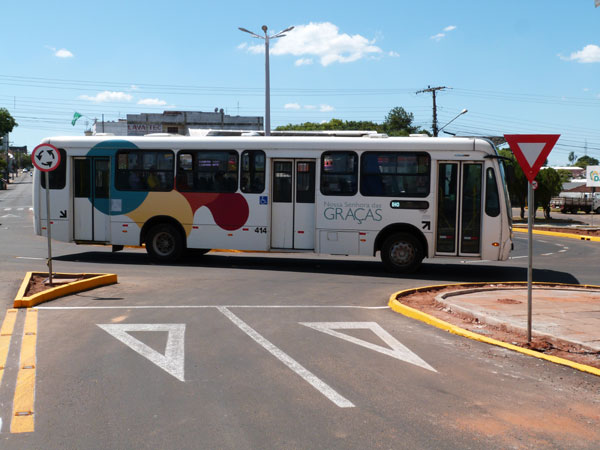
[565,175]
[549,185]
[399,121]
[7,123]
[515,180]
[585,161]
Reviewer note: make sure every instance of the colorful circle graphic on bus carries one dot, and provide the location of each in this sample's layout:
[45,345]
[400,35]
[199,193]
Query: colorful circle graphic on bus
[229,210]
[122,202]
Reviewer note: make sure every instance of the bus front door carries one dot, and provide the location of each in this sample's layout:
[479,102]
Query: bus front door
[293,204]
[91,189]
[459,204]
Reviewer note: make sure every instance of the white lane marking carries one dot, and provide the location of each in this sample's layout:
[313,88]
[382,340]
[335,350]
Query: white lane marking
[29,257]
[21,209]
[517,257]
[398,350]
[209,306]
[5,216]
[7,209]
[291,363]
[544,242]
[547,254]
[172,361]
[562,251]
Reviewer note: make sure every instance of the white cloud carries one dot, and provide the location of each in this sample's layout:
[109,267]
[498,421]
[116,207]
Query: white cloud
[323,41]
[108,96]
[152,102]
[303,62]
[326,108]
[242,46]
[589,54]
[310,107]
[63,53]
[438,37]
[393,54]
[291,106]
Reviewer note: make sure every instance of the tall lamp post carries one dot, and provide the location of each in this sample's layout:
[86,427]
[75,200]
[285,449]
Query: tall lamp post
[464,111]
[267,38]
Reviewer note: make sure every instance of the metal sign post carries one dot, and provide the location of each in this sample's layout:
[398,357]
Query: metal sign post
[48,228]
[46,158]
[531,151]
[530,218]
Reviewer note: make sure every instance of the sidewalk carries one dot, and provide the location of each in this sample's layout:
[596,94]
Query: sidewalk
[568,314]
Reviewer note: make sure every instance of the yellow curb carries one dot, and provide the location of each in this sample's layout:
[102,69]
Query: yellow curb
[413,313]
[96,280]
[580,237]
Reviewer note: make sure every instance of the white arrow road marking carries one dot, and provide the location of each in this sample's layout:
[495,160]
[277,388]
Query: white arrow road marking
[307,375]
[398,350]
[172,361]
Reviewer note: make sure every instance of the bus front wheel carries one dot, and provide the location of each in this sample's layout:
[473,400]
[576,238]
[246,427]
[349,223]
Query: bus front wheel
[402,253]
[164,243]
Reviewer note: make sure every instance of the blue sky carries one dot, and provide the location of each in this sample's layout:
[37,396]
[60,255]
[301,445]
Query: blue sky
[518,66]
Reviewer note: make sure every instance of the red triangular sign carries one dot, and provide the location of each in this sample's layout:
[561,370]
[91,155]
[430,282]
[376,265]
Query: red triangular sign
[531,150]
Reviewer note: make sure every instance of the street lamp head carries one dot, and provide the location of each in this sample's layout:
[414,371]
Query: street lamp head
[264,28]
[464,111]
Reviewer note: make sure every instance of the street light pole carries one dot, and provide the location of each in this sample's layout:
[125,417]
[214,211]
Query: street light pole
[267,38]
[464,111]
[267,85]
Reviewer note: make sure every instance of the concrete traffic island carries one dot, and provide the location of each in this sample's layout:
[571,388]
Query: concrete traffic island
[566,318]
[35,288]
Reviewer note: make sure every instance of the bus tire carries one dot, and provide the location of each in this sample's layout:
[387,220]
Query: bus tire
[402,253]
[164,243]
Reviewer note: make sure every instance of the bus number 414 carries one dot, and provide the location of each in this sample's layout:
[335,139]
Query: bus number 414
[260,230]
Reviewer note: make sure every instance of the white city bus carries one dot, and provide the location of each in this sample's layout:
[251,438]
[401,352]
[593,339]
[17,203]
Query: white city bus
[356,194]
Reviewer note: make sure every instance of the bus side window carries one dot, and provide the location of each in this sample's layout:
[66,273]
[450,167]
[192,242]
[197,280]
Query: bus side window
[395,174]
[339,173]
[492,199]
[144,170]
[253,172]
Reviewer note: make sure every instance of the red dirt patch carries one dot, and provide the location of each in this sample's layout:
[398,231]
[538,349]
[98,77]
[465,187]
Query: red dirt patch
[39,283]
[425,302]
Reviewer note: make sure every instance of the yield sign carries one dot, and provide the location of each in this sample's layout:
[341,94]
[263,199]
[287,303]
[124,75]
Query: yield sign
[531,150]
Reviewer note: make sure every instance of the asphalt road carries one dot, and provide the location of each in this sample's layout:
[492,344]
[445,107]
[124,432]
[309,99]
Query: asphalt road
[278,351]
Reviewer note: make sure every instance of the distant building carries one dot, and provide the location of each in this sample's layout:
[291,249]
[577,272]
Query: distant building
[576,172]
[177,122]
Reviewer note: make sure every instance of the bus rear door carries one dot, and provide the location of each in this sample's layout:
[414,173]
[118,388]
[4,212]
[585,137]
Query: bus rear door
[293,204]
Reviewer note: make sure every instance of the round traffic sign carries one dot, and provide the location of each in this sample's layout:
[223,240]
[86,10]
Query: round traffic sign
[45,157]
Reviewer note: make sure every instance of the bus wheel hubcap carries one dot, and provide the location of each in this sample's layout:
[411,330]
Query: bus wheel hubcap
[164,243]
[402,253]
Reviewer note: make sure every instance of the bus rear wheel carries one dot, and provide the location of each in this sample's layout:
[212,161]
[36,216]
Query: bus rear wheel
[164,243]
[402,253]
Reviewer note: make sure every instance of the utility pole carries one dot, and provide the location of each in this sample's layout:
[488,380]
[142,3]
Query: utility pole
[433,90]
